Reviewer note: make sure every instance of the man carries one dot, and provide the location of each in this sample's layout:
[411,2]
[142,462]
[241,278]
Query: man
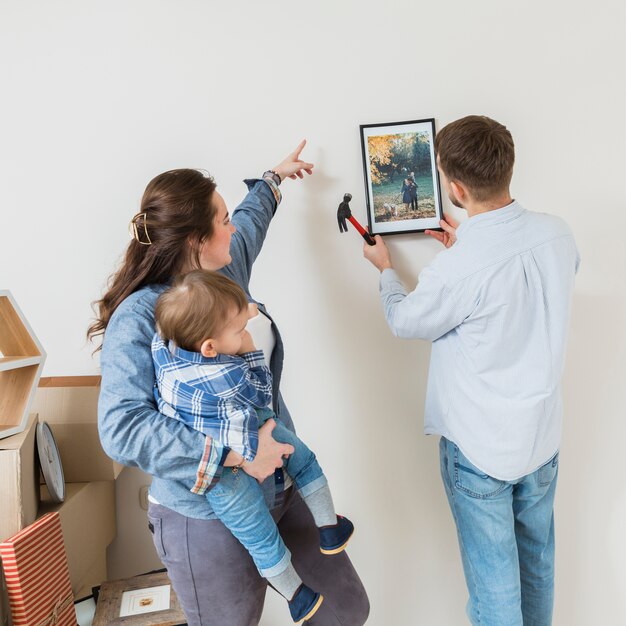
[496,305]
[413,191]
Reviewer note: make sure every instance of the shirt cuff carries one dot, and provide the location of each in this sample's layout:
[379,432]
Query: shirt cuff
[254,359]
[273,188]
[387,277]
[211,466]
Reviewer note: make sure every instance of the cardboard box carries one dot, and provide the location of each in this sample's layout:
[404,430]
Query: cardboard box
[19,484]
[88,522]
[94,577]
[72,414]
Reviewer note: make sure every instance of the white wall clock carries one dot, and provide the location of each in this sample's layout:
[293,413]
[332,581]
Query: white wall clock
[50,461]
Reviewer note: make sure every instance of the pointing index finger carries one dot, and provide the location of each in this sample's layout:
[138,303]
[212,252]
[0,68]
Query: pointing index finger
[298,150]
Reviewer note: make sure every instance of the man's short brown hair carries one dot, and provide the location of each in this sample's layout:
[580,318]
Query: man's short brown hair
[197,306]
[478,152]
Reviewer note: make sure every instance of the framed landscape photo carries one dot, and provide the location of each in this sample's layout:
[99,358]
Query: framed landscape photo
[402,187]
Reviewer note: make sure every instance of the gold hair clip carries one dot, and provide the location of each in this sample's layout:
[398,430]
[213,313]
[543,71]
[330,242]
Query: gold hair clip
[132,227]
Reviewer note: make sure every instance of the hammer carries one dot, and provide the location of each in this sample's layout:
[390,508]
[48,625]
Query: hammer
[344,213]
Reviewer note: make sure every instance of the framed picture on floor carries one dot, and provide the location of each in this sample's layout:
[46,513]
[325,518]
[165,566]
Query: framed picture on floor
[402,187]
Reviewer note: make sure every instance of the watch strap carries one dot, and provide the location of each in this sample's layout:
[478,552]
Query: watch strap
[273,175]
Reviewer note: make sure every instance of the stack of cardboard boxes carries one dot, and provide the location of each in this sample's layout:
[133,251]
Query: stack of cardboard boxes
[88,512]
[70,408]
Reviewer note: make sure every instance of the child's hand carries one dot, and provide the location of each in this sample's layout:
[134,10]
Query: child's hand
[247,344]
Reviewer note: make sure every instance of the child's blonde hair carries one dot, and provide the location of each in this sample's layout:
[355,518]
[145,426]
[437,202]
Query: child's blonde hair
[197,306]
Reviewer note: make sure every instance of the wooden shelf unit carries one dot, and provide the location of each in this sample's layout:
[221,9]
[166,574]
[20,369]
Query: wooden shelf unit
[21,363]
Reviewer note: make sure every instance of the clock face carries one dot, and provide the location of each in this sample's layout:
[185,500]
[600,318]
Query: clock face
[50,461]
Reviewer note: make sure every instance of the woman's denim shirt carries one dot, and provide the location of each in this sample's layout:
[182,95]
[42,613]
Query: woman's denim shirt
[132,431]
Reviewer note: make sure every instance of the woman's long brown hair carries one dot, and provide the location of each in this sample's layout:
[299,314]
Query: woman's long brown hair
[176,216]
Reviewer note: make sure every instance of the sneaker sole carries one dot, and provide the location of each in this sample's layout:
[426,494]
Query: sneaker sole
[313,611]
[341,548]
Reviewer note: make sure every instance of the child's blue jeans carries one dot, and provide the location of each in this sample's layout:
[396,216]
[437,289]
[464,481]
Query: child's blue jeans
[238,502]
[506,535]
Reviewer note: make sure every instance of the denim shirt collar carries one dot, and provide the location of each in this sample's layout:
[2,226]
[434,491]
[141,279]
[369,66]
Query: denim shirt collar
[491,218]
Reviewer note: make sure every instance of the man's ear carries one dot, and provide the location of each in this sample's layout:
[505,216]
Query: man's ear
[459,190]
[207,349]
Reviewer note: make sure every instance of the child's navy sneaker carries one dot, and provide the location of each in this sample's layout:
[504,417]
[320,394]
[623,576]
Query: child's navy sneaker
[304,603]
[333,539]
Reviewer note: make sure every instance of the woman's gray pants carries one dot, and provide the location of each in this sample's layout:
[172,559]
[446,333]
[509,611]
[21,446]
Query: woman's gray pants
[216,580]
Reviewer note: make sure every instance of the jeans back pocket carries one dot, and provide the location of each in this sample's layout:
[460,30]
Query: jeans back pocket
[473,481]
[547,472]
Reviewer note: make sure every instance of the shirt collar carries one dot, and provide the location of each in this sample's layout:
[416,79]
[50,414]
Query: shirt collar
[497,216]
[196,357]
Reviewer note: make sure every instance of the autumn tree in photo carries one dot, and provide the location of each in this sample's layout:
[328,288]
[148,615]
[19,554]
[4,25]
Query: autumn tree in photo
[401,153]
[380,156]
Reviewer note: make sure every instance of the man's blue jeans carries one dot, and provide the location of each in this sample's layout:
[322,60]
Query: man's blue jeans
[238,502]
[506,536]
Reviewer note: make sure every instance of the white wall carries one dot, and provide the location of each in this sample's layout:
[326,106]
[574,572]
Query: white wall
[97,97]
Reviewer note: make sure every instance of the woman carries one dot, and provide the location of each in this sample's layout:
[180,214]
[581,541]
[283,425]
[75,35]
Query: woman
[184,224]
[409,193]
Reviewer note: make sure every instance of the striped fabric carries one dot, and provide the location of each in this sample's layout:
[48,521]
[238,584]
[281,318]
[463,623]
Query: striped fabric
[210,467]
[275,190]
[38,579]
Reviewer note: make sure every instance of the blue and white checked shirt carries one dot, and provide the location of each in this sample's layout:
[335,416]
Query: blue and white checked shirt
[496,306]
[215,395]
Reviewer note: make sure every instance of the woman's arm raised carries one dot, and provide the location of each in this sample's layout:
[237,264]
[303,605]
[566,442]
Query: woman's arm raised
[253,216]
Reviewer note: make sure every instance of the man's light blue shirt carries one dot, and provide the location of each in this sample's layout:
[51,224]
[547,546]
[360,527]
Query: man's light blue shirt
[496,306]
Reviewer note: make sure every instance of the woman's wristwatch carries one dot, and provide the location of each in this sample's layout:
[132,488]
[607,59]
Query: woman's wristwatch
[273,175]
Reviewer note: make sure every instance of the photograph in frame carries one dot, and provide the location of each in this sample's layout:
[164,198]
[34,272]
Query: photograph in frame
[402,187]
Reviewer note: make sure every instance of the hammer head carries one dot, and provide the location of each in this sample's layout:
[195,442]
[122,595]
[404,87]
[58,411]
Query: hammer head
[344,213]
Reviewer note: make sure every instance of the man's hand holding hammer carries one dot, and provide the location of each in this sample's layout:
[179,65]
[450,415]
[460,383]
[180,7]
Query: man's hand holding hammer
[378,255]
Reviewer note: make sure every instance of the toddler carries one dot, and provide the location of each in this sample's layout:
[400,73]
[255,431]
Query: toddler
[210,375]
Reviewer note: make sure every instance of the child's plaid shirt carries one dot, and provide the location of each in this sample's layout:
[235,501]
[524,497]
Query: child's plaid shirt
[215,395]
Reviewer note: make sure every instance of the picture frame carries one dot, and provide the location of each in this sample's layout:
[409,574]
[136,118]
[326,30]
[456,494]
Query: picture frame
[144,600]
[402,188]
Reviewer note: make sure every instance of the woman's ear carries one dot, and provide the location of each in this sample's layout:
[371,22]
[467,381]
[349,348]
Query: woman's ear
[207,349]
